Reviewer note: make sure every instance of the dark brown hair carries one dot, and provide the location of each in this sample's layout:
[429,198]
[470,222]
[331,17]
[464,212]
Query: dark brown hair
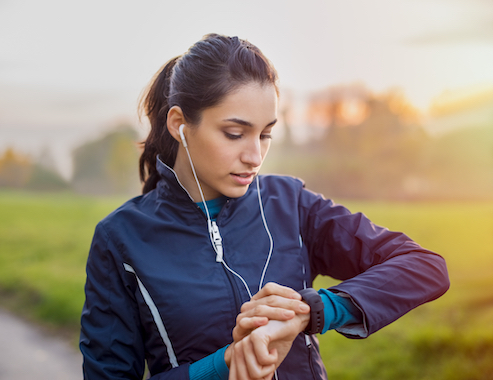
[201,78]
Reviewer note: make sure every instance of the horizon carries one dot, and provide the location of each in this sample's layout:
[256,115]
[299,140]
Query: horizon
[78,69]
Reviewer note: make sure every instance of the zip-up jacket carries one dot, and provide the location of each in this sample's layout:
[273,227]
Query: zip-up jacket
[155,292]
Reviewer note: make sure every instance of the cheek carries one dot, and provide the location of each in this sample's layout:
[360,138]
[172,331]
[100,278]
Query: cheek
[265,148]
[220,152]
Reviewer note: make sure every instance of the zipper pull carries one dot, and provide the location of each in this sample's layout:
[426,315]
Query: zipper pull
[216,240]
[308,342]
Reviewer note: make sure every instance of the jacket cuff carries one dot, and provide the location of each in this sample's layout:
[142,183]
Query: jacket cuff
[220,364]
[339,311]
[212,367]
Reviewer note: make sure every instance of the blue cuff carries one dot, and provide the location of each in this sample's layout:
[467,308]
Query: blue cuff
[338,311]
[220,364]
[212,367]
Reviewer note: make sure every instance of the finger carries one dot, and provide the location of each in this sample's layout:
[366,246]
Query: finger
[261,306]
[246,325]
[232,369]
[251,323]
[271,288]
[270,376]
[238,370]
[260,340]
[255,369]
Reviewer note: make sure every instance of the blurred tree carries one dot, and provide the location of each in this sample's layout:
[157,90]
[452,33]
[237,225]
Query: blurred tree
[43,179]
[45,175]
[375,146]
[108,165]
[376,157]
[367,146]
[343,105]
[20,172]
[15,169]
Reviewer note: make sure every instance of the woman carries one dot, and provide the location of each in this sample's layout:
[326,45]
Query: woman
[201,276]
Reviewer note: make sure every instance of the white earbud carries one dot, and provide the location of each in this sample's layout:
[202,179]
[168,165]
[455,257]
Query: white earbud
[182,135]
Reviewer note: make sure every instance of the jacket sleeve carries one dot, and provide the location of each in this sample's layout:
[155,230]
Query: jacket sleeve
[111,333]
[385,273]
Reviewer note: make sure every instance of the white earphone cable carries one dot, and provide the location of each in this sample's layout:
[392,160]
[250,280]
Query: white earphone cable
[216,240]
[268,233]
[198,184]
[214,231]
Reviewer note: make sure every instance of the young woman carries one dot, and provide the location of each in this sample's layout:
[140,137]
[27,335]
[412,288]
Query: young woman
[208,274]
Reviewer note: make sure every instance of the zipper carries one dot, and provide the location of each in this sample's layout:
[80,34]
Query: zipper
[217,240]
[234,288]
[214,231]
[310,353]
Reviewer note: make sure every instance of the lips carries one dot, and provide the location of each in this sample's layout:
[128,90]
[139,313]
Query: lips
[243,178]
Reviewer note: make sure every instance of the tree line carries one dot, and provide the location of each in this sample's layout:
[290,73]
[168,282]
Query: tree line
[106,166]
[362,145]
[376,146]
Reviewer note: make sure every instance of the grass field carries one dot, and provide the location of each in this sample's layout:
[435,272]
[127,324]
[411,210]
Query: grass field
[44,240]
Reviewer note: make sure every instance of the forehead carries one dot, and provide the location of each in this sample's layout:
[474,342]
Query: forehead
[252,102]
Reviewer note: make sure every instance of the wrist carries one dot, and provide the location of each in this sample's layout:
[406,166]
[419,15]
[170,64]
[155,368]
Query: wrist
[227,354]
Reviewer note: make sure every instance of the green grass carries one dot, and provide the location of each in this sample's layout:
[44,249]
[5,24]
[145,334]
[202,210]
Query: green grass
[45,238]
[44,242]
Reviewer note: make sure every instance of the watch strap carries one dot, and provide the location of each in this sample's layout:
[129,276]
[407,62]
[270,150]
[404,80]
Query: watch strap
[317,319]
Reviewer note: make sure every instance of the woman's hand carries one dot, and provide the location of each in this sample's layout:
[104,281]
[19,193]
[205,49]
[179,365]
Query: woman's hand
[272,302]
[257,356]
[240,369]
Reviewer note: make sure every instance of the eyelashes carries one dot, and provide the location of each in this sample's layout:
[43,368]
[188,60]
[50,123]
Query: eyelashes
[232,136]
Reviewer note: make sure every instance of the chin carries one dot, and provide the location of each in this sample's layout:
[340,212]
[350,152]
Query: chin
[236,193]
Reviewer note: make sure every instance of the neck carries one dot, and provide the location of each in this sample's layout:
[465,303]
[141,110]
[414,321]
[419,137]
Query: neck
[184,172]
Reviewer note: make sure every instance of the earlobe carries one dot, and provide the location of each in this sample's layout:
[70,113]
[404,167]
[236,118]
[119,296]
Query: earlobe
[174,120]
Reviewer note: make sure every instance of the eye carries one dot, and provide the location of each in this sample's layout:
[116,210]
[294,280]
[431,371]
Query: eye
[265,136]
[232,136]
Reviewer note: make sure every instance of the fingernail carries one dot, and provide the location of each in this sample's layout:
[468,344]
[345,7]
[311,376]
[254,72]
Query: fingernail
[288,313]
[295,296]
[304,307]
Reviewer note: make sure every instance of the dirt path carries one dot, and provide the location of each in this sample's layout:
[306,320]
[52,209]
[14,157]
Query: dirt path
[28,353]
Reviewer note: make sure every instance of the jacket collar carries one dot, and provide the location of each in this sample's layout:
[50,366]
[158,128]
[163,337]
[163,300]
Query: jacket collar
[169,184]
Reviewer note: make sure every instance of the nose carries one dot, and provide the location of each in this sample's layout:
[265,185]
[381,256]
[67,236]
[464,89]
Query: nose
[252,153]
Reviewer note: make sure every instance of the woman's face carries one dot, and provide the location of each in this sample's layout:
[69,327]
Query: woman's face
[229,144]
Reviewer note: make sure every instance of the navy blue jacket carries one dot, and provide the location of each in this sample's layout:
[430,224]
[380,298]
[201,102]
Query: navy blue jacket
[155,292]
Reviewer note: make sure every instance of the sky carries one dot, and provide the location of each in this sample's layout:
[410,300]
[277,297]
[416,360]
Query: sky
[71,69]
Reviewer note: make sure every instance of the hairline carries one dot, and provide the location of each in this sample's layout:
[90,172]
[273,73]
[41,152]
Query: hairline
[234,89]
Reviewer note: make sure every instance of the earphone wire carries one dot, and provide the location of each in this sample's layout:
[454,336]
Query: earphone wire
[268,233]
[200,188]
[209,223]
[271,245]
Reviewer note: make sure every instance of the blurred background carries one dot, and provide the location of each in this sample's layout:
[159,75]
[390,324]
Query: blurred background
[386,106]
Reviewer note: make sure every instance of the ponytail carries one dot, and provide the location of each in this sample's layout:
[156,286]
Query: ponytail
[159,142]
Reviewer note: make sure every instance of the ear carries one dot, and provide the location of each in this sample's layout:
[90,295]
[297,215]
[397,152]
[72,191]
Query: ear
[174,120]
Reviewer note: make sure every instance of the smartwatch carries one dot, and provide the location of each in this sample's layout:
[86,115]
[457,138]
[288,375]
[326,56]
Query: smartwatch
[313,299]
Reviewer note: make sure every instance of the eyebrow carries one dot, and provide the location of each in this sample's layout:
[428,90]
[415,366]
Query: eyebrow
[247,123]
